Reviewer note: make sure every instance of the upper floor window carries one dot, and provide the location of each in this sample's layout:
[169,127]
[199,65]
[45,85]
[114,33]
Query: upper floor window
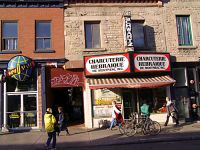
[43,35]
[184,31]
[9,35]
[138,33]
[92,34]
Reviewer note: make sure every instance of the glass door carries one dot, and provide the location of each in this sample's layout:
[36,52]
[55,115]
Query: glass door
[21,110]
[30,110]
[129,103]
[13,111]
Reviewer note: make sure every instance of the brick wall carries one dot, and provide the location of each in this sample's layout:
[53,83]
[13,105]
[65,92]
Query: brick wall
[26,18]
[40,117]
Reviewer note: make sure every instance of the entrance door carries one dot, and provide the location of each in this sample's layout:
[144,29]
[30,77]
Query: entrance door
[21,110]
[71,99]
[129,103]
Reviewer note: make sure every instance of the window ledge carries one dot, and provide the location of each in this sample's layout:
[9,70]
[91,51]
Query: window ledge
[187,47]
[95,50]
[44,51]
[10,52]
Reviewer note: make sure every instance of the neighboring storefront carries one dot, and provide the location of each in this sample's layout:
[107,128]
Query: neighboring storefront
[186,89]
[66,90]
[130,79]
[20,101]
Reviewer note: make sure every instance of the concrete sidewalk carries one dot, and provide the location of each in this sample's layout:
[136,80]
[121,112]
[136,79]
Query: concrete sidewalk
[96,137]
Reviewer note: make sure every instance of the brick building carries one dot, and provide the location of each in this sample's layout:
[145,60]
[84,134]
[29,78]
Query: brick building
[31,41]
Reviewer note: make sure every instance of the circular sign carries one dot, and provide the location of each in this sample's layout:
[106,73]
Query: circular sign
[20,68]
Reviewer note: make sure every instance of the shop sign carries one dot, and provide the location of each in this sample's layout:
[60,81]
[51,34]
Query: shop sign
[151,62]
[107,64]
[20,68]
[66,78]
[128,31]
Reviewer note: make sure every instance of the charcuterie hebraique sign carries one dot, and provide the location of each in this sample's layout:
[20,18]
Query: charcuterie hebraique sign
[20,68]
[107,64]
[151,62]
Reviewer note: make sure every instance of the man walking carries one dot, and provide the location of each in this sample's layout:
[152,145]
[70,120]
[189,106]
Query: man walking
[171,111]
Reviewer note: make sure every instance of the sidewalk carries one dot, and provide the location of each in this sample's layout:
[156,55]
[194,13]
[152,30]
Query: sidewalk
[96,137]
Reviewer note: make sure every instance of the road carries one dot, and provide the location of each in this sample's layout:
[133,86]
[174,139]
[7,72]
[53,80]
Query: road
[180,145]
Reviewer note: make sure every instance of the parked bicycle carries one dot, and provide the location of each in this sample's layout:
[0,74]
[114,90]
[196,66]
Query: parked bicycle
[140,123]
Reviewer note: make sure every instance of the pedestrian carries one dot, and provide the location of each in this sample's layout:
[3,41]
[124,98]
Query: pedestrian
[62,124]
[171,111]
[49,122]
[115,113]
[145,109]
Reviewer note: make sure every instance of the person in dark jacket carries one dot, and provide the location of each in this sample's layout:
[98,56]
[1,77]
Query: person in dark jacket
[62,121]
[171,111]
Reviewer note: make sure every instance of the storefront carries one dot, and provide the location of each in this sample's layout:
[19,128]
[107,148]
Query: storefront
[20,100]
[130,79]
[24,92]
[66,90]
[186,89]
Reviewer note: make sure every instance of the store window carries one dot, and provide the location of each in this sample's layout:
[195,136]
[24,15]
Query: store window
[102,101]
[43,35]
[155,98]
[184,30]
[13,85]
[21,110]
[180,75]
[21,101]
[138,32]
[9,35]
[92,35]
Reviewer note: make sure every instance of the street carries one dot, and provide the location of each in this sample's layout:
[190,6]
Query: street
[178,145]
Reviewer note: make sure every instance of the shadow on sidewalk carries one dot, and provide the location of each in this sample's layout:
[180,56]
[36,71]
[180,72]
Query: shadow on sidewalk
[101,137]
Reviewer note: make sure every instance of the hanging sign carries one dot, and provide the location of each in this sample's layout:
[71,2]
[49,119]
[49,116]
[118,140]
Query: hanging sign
[151,62]
[20,68]
[128,31]
[107,64]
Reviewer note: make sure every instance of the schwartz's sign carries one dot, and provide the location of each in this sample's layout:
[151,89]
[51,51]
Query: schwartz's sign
[107,64]
[151,62]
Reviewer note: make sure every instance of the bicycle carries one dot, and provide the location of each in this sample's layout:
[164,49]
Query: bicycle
[144,123]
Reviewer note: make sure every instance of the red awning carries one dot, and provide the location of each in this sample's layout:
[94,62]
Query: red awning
[142,82]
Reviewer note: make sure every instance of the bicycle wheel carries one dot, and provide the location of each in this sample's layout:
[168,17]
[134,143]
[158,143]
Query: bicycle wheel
[153,128]
[129,129]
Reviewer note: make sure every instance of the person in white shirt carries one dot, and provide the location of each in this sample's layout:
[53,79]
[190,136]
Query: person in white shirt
[115,111]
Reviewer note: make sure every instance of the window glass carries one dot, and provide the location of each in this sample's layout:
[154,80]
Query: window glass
[39,43]
[92,35]
[47,43]
[14,103]
[9,35]
[10,29]
[12,85]
[184,30]
[96,36]
[43,29]
[43,35]
[179,74]
[138,34]
[30,102]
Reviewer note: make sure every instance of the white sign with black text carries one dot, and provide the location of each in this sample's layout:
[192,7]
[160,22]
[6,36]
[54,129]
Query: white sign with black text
[107,64]
[128,32]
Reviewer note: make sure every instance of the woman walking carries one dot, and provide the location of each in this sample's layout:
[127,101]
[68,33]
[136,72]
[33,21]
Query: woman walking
[62,121]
